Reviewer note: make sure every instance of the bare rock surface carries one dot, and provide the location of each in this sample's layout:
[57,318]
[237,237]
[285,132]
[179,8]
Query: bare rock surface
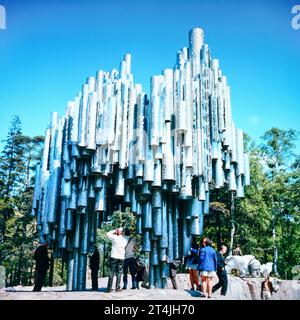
[238,289]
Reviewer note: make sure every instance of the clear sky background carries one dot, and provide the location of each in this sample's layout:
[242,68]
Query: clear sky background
[50,47]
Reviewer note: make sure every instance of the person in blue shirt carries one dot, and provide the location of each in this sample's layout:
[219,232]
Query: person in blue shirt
[207,266]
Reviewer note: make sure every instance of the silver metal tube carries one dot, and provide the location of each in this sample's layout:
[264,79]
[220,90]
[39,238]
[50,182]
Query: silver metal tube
[76,243]
[70,220]
[82,272]
[147,215]
[157,221]
[75,270]
[164,237]
[70,271]
[82,117]
[195,44]
[154,254]
[170,255]
[146,245]
[91,121]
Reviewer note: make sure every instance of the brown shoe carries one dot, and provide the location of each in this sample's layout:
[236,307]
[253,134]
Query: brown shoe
[119,290]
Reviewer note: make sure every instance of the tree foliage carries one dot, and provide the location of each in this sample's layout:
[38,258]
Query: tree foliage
[18,233]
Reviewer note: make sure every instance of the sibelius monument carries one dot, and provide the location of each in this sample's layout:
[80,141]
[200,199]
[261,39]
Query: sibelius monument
[159,155]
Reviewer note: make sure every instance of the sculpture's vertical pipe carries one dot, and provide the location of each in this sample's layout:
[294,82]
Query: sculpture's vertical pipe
[82,272]
[170,230]
[70,271]
[195,44]
[75,270]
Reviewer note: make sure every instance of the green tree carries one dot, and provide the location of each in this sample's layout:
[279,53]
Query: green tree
[253,212]
[11,160]
[11,172]
[18,159]
[277,151]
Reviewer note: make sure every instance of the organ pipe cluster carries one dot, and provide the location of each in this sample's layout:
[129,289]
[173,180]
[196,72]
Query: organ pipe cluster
[160,155]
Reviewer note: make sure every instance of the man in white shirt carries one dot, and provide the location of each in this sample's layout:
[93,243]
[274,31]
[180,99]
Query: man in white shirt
[117,256]
[130,261]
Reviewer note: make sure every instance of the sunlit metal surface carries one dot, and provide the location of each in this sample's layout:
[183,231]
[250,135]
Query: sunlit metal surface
[159,155]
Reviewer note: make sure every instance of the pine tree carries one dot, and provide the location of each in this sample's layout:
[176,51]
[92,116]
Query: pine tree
[11,169]
[18,159]
[11,160]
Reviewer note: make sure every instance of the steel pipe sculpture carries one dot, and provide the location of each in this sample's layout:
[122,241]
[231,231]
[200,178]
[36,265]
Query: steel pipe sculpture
[160,156]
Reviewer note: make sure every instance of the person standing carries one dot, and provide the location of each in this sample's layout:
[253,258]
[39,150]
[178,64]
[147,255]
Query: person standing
[129,261]
[174,265]
[142,274]
[221,272]
[42,264]
[267,288]
[237,251]
[207,267]
[94,266]
[117,256]
[192,264]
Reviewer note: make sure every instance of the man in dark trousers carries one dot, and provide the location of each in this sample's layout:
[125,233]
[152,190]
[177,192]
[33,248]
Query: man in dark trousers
[94,266]
[221,272]
[174,265]
[129,262]
[42,265]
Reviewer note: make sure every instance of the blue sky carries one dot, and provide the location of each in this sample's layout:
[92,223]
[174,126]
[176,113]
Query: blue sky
[50,47]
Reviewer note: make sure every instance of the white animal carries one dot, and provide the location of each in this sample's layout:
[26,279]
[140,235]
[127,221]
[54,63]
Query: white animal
[266,268]
[245,265]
